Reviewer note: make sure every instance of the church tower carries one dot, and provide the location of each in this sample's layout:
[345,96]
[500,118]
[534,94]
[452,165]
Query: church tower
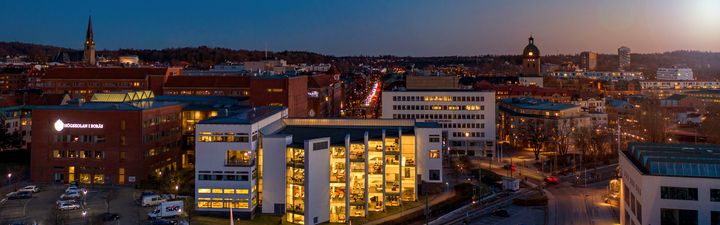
[531,59]
[531,73]
[89,52]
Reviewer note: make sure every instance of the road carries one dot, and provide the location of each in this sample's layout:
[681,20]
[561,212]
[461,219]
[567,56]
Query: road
[577,205]
[569,205]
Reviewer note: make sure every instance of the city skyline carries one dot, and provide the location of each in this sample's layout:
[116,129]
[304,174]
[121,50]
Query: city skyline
[375,28]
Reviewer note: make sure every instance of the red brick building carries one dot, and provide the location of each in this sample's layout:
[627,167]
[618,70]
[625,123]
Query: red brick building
[84,82]
[318,95]
[117,138]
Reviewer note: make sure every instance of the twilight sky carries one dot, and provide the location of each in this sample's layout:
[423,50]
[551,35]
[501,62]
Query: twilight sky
[372,27]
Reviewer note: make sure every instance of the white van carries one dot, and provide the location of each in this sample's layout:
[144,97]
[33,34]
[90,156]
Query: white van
[151,200]
[166,210]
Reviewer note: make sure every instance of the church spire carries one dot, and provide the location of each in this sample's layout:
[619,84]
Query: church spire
[89,51]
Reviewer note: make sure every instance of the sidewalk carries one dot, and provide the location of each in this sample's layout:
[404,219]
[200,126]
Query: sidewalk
[551,216]
[440,198]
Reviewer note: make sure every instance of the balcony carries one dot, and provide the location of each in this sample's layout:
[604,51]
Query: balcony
[239,162]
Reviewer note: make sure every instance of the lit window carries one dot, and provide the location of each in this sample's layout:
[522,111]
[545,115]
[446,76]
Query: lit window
[434,154]
[217,191]
[229,191]
[204,191]
[203,204]
[241,191]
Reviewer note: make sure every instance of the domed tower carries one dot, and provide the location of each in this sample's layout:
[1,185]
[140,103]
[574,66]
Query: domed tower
[530,74]
[531,59]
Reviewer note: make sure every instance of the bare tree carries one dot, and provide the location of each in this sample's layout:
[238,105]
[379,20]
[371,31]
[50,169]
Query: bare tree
[562,136]
[600,142]
[535,134]
[652,121]
[709,126]
[581,141]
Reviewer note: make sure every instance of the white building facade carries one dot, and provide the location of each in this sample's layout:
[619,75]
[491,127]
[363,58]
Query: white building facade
[670,184]
[312,170]
[227,163]
[467,117]
[674,73]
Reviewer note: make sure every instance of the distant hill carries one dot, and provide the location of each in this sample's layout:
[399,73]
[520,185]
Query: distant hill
[35,52]
[202,57]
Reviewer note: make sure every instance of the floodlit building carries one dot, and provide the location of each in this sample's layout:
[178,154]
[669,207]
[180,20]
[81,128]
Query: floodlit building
[517,115]
[674,73]
[531,75]
[670,184]
[467,117]
[116,138]
[312,170]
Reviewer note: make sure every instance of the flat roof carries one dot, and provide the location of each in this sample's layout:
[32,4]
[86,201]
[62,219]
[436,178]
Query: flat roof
[536,104]
[682,160]
[336,129]
[245,115]
[112,106]
[441,90]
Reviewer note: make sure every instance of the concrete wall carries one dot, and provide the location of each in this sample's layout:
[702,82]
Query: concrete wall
[317,181]
[274,172]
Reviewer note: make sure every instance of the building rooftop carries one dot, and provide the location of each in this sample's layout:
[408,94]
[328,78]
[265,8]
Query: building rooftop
[535,104]
[336,129]
[192,81]
[440,90]
[245,115]
[682,160]
[103,73]
[676,97]
[705,91]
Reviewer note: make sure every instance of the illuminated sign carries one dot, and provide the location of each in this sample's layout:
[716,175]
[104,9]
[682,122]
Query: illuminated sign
[60,125]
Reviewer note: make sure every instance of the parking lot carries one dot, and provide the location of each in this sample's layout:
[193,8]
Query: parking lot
[42,207]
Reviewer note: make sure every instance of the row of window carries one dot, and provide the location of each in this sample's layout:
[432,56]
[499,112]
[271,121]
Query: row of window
[223,191]
[161,149]
[161,119]
[91,84]
[440,116]
[70,138]
[161,134]
[226,137]
[463,125]
[685,193]
[224,177]
[206,92]
[440,98]
[85,154]
[439,107]
[468,134]
[633,204]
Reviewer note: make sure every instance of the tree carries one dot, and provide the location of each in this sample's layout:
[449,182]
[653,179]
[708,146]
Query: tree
[581,141]
[652,121]
[562,135]
[534,133]
[9,140]
[709,125]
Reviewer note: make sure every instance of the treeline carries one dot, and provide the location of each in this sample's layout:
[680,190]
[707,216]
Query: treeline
[202,56]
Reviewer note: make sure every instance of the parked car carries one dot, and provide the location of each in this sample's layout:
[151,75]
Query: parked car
[510,167]
[163,222]
[71,194]
[30,188]
[75,188]
[71,201]
[151,200]
[68,206]
[105,217]
[19,195]
[551,180]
